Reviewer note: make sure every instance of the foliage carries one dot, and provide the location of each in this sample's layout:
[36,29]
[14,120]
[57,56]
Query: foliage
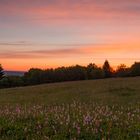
[33,76]
[94,72]
[1,72]
[107,70]
[11,81]
[72,73]
[135,69]
[122,71]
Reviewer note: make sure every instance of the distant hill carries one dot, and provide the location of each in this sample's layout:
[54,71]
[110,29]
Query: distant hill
[14,73]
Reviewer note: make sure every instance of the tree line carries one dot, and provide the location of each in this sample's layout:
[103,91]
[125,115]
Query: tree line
[72,73]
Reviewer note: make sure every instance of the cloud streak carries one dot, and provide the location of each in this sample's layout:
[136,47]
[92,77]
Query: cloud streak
[68,10]
[68,30]
[97,51]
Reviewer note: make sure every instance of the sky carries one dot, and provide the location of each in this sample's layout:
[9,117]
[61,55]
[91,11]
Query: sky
[52,33]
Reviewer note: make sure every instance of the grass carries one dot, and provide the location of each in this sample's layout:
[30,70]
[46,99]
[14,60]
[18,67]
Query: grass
[94,109]
[119,90]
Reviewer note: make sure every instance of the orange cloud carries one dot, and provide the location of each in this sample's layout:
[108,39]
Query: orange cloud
[113,25]
[119,50]
[116,53]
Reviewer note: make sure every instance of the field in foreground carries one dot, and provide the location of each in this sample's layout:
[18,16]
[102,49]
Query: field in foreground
[96,109]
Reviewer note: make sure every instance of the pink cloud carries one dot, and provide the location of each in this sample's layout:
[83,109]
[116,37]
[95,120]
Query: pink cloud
[66,10]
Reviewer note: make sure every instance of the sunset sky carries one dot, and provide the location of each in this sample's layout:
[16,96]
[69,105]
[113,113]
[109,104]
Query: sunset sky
[52,33]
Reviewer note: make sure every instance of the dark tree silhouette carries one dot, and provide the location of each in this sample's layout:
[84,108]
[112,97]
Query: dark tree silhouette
[122,71]
[107,69]
[135,69]
[72,73]
[90,69]
[1,72]
[94,72]
[33,76]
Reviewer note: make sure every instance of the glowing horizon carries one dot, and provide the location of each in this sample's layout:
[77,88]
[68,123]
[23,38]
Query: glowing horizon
[53,33]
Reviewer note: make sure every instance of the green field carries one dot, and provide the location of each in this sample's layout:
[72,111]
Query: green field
[119,90]
[94,109]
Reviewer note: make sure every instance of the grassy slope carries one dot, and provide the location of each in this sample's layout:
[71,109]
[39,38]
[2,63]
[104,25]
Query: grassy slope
[119,90]
[77,120]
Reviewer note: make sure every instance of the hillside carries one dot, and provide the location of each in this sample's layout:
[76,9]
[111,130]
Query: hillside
[96,109]
[119,90]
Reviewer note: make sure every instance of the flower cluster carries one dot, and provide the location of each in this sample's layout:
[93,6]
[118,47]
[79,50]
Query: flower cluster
[70,121]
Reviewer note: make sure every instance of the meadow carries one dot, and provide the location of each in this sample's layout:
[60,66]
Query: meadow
[94,109]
